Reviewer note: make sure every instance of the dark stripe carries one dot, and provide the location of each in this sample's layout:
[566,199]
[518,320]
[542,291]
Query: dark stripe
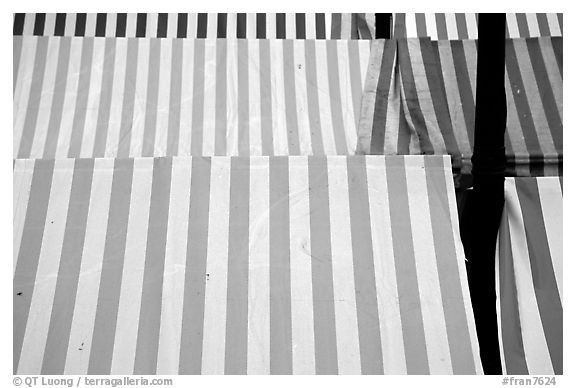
[197,129]
[404,134]
[221,25]
[60,24]
[141,25]
[400,25]
[382,98]
[36,87]
[202,25]
[100,24]
[545,286]
[522,25]
[261,26]
[151,99]
[69,269]
[162,25]
[241,26]
[421,25]
[243,99]
[461,26]
[464,87]
[441,26]
[237,292]
[364,275]
[196,277]
[335,97]
[16,54]
[290,98]
[127,119]
[80,110]
[362,28]
[105,99]
[557,46]
[29,253]
[546,92]
[18,28]
[405,262]
[512,343]
[151,302]
[121,25]
[320,26]
[543,24]
[336,26]
[39,24]
[561,22]
[280,295]
[112,268]
[182,25]
[173,136]
[281,26]
[80,29]
[321,255]
[267,136]
[300,26]
[459,340]
[221,108]
[54,122]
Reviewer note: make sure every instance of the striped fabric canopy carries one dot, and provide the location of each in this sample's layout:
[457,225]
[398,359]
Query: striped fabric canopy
[240,265]
[419,97]
[201,25]
[458,26]
[529,276]
[108,97]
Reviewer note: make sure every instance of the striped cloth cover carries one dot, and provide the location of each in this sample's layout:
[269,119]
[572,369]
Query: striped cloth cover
[199,25]
[420,95]
[240,265]
[110,97]
[529,276]
[458,26]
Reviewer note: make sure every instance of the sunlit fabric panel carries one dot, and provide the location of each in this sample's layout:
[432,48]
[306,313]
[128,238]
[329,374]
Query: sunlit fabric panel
[529,277]
[111,97]
[460,26]
[240,265]
[199,25]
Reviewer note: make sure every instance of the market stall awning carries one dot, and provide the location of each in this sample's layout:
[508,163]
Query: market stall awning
[529,276]
[419,97]
[304,265]
[199,25]
[459,26]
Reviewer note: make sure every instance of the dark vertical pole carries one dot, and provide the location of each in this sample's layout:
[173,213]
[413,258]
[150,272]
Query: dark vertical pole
[483,210]
[383,25]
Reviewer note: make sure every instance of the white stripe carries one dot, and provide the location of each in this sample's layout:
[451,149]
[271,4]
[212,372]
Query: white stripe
[140,98]
[49,24]
[393,117]
[328,21]
[347,340]
[411,31]
[364,52]
[533,27]
[29,21]
[213,346]
[325,105]
[303,353]
[254,98]
[280,136]
[290,23]
[172,27]
[70,25]
[551,202]
[554,24]
[472,26]
[431,28]
[348,117]
[131,19]
[48,264]
[45,106]
[259,269]
[499,306]
[128,317]
[302,97]
[22,91]
[93,103]
[110,24]
[310,21]
[512,22]
[90,24]
[212,26]
[451,27]
[174,268]
[151,25]
[250,26]
[535,348]
[270,26]
[23,171]
[231,97]
[346,26]
[209,96]
[192,27]
[231,25]
[116,104]
[161,139]
[187,96]
[82,328]
[392,338]
[435,330]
